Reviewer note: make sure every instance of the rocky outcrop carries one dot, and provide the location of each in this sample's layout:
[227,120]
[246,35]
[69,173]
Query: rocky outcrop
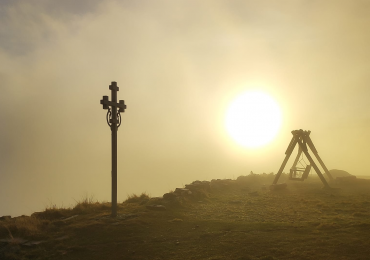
[3,218]
[339,173]
[199,185]
[48,214]
[218,183]
[194,190]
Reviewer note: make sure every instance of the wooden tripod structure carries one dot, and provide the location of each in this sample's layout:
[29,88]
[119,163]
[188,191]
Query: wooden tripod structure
[302,138]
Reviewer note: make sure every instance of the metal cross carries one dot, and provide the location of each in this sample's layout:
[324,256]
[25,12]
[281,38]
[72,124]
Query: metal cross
[114,121]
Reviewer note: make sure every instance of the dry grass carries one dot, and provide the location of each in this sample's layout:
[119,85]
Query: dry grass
[142,199]
[23,227]
[89,205]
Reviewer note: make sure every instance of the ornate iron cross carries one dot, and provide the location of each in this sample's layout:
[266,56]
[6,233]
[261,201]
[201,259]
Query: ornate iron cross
[114,121]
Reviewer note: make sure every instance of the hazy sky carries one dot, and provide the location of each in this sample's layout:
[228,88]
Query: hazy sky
[178,65]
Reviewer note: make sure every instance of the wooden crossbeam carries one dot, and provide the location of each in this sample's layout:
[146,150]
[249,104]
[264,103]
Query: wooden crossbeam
[106,103]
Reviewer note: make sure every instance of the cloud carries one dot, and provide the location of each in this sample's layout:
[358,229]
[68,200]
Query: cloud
[26,26]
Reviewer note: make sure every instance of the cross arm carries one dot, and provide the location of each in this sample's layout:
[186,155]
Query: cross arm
[106,103]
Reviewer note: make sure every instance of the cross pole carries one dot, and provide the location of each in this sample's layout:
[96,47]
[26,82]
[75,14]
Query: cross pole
[114,121]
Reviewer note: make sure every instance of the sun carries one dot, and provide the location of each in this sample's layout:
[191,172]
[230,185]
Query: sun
[253,119]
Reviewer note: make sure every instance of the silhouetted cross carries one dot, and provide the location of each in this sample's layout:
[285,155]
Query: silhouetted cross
[114,121]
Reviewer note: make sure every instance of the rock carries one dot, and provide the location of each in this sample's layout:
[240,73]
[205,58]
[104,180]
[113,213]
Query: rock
[198,185]
[190,186]
[48,214]
[169,196]
[339,173]
[182,191]
[222,183]
[156,207]
[156,198]
[5,217]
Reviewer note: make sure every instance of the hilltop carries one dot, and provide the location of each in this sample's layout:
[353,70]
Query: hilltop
[222,219]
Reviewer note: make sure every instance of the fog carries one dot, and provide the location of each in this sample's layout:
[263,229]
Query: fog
[178,65]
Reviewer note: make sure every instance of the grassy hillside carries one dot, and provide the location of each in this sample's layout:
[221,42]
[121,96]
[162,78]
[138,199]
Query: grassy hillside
[224,219]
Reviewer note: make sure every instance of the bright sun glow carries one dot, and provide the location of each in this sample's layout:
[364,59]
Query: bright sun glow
[253,119]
